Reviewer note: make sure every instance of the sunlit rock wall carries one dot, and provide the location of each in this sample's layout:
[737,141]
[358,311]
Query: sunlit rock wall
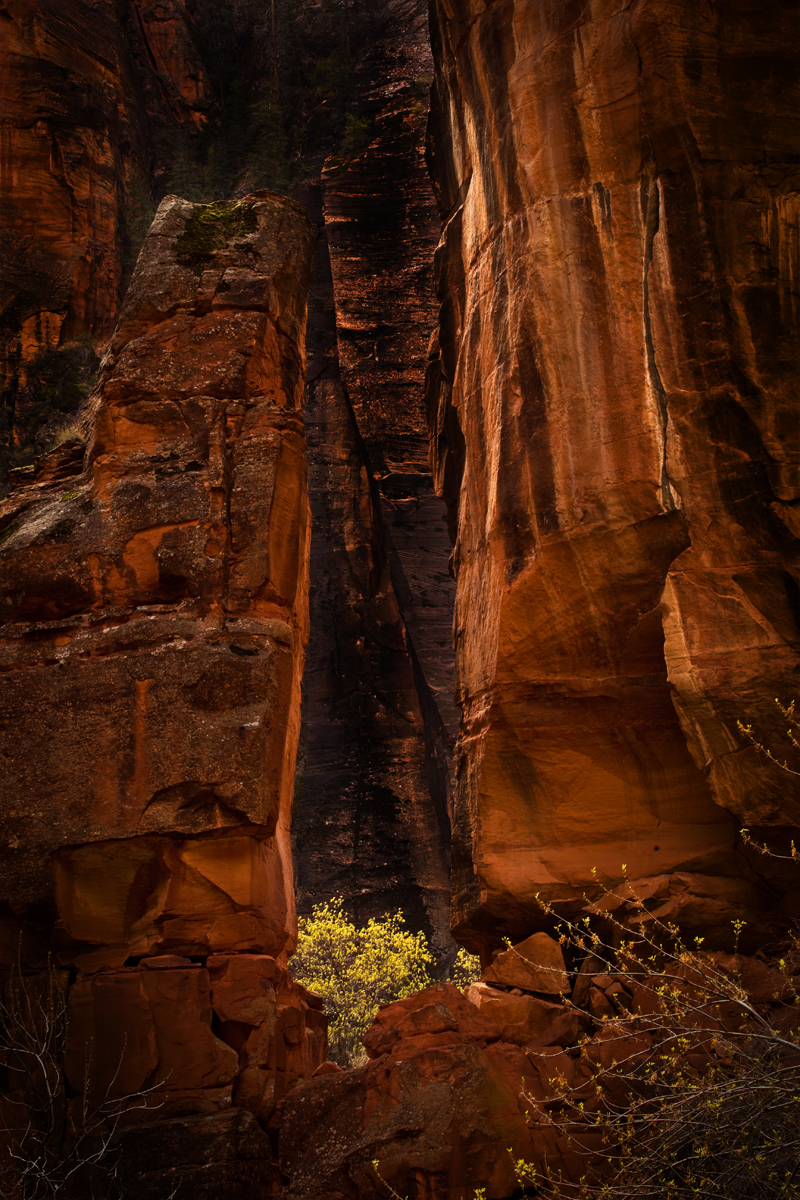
[83,90]
[154,620]
[613,401]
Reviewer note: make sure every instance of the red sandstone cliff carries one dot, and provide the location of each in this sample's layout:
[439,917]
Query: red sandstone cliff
[606,388]
[378,717]
[614,434]
[154,619]
[613,400]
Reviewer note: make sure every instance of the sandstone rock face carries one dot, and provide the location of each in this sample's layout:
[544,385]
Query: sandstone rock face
[179,70]
[612,399]
[81,87]
[74,129]
[194,1038]
[371,821]
[379,719]
[438,1106]
[154,619]
[537,964]
[521,1019]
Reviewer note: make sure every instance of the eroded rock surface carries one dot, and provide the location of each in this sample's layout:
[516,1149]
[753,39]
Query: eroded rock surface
[83,88]
[613,399]
[459,1087]
[437,1107]
[154,620]
[371,821]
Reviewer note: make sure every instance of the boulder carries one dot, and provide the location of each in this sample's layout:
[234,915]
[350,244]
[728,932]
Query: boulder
[520,1019]
[440,1012]
[536,965]
[442,1120]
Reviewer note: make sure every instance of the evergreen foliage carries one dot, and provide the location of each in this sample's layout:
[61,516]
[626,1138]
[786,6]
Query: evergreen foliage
[137,214]
[285,92]
[57,383]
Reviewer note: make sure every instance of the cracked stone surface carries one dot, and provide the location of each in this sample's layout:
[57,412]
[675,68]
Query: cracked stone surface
[82,89]
[154,610]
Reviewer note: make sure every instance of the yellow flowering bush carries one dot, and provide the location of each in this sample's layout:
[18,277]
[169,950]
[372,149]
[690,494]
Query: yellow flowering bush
[356,970]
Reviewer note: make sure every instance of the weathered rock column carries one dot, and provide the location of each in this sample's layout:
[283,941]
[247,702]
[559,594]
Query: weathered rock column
[613,395]
[154,613]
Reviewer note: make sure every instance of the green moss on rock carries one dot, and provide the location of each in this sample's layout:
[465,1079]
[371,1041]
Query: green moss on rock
[210,228]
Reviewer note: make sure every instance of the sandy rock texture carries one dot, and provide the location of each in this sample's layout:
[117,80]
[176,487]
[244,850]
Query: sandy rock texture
[83,88]
[154,619]
[612,392]
[437,1106]
[371,821]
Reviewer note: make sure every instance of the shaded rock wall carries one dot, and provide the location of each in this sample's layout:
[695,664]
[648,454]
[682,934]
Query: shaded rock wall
[613,403]
[154,619]
[371,820]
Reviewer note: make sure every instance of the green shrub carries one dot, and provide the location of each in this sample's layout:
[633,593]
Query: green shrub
[267,162]
[356,137]
[210,228]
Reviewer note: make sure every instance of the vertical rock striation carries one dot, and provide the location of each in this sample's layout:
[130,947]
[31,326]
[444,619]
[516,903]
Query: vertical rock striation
[372,817]
[154,619]
[614,417]
[89,134]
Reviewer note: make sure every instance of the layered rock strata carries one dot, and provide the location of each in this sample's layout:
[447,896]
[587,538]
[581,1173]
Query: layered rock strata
[372,820]
[154,619]
[612,396]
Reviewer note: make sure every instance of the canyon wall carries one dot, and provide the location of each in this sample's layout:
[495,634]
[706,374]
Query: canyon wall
[612,393]
[372,815]
[90,137]
[614,435]
[154,620]
[86,92]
